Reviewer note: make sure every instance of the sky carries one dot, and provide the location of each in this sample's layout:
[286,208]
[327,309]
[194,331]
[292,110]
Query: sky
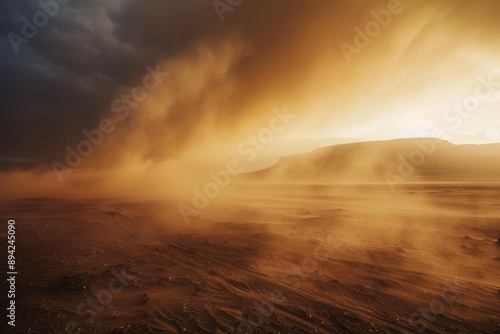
[182,87]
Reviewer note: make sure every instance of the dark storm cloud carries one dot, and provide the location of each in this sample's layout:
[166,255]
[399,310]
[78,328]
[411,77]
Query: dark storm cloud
[62,80]
[227,76]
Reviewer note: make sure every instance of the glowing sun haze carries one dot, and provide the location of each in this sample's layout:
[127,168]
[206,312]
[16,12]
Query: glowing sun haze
[433,70]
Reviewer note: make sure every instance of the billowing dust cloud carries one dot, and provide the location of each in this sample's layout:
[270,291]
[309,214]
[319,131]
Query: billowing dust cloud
[224,81]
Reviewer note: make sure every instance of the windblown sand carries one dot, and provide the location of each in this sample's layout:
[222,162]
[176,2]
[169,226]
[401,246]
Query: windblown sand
[264,259]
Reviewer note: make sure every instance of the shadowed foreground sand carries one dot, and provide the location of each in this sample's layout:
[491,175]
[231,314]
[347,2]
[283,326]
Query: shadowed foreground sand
[267,259]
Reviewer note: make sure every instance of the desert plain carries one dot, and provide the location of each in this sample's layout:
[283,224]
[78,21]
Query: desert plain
[264,258]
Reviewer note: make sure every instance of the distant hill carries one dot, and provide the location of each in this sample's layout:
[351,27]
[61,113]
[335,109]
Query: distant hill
[414,160]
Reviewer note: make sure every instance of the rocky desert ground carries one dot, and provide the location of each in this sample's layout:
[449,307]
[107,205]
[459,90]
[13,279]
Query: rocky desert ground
[280,258]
